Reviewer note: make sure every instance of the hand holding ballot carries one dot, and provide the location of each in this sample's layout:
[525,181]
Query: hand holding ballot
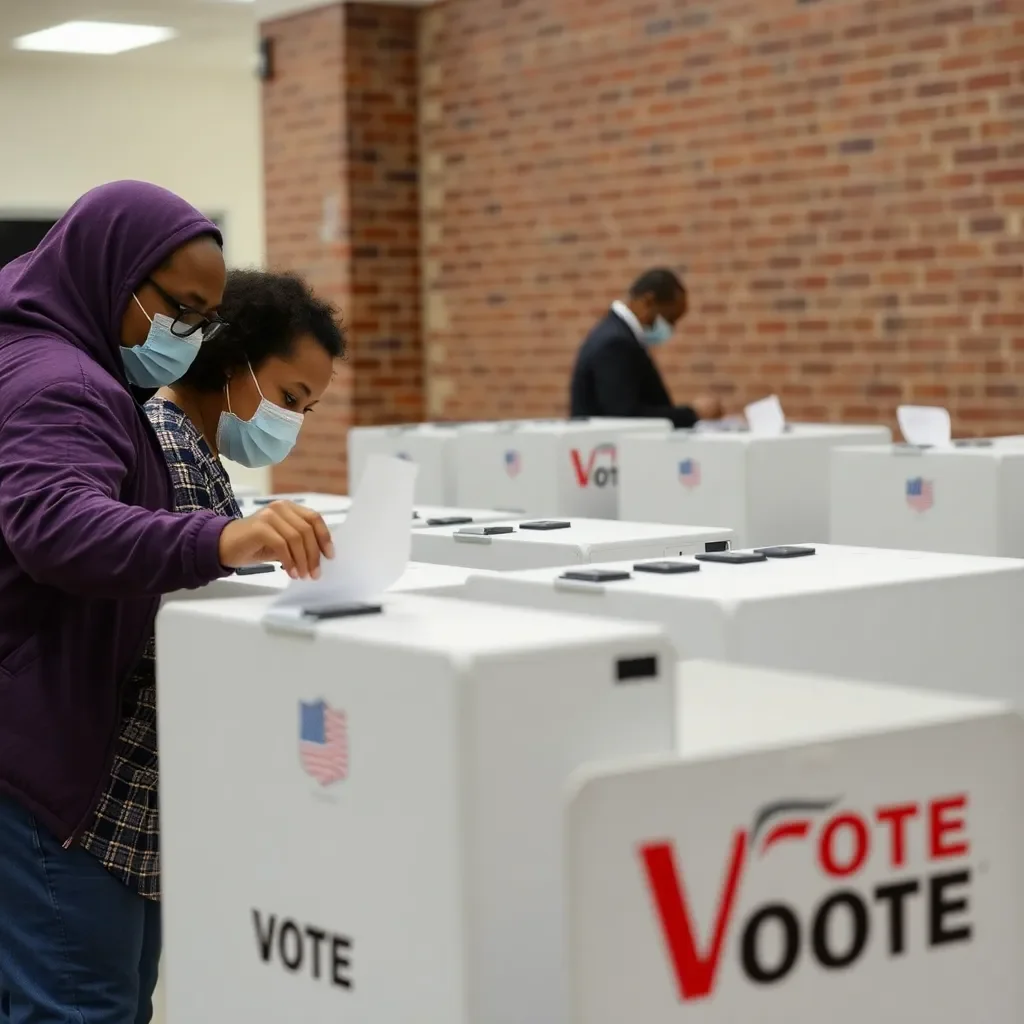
[373,544]
[281,532]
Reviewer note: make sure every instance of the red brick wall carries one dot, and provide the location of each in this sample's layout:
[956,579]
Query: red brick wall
[305,161]
[341,162]
[841,182]
[384,309]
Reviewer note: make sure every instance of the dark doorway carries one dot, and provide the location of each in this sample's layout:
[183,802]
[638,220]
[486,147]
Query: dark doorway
[18,237]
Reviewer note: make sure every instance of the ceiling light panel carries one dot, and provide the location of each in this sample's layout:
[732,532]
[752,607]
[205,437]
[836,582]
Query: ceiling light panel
[100,37]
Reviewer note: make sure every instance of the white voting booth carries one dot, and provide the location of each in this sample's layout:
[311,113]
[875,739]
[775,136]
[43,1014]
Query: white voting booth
[554,467]
[424,516]
[521,544]
[770,489]
[325,504]
[430,445]
[335,507]
[963,497]
[362,820]
[820,851]
[941,622]
[418,578]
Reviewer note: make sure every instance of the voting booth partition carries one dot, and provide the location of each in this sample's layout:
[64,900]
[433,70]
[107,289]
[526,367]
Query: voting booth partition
[557,467]
[768,489]
[940,622]
[965,497]
[863,864]
[430,445]
[525,543]
[366,822]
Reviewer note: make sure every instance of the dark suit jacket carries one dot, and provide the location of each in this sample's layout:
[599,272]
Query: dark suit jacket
[614,375]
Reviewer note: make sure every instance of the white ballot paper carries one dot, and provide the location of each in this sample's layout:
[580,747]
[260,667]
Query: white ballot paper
[371,547]
[765,417]
[925,425]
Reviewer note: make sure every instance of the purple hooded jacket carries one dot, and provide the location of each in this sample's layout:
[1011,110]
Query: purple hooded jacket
[88,538]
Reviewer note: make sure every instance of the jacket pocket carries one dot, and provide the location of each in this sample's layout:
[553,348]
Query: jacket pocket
[20,657]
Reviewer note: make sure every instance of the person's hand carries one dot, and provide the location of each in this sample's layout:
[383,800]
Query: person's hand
[282,532]
[708,407]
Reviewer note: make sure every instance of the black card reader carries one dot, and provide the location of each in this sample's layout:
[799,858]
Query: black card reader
[785,551]
[667,568]
[732,557]
[596,575]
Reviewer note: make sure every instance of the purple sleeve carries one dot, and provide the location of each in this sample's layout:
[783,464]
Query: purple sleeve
[63,459]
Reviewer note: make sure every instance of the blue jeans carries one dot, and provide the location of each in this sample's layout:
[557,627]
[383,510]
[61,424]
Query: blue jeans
[77,946]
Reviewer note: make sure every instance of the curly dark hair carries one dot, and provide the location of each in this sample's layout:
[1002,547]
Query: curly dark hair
[266,312]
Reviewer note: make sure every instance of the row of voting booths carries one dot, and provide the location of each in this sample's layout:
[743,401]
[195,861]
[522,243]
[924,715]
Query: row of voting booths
[825,483]
[577,768]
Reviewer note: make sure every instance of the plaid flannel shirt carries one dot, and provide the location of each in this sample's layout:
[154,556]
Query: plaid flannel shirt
[125,833]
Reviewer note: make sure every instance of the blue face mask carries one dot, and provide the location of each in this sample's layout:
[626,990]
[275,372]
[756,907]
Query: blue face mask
[659,332]
[163,357]
[262,441]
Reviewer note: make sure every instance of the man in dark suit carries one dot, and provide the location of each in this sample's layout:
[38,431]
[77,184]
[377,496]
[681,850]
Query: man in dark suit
[614,373]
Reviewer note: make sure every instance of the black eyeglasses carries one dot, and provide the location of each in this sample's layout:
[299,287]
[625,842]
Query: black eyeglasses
[188,320]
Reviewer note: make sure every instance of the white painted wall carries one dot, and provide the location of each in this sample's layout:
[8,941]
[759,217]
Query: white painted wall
[198,134]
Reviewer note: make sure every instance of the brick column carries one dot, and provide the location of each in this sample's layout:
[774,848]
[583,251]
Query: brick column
[341,159]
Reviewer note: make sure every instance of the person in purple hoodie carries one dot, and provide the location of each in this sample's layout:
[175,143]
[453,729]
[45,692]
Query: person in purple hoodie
[111,305]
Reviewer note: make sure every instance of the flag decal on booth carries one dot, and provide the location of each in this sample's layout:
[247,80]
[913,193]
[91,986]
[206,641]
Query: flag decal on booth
[920,494]
[512,463]
[323,742]
[689,473]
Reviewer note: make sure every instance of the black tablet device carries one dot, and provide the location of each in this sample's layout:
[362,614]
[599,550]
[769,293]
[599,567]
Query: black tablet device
[732,557]
[595,575]
[667,568]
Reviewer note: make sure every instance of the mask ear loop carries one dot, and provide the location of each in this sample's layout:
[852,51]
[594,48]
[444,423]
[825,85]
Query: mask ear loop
[252,373]
[139,304]
[227,386]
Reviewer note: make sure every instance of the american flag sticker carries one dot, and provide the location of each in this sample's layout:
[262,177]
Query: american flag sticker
[323,742]
[689,473]
[920,494]
[512,463]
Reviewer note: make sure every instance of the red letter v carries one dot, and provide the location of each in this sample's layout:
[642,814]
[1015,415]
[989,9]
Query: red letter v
[582,475]
[695,972]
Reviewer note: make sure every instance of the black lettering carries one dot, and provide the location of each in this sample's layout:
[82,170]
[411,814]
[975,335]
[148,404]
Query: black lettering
[613,476]
[940,907]
[264,936]
[600,476]
[292,940]
[317,935]
[819,930]
[339,961]
[293,962]
[895,895]
[791,944]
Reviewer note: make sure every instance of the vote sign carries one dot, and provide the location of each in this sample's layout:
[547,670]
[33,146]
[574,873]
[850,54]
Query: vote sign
[870,876]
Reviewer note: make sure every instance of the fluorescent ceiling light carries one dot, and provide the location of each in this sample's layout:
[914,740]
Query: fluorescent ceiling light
[105,37]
